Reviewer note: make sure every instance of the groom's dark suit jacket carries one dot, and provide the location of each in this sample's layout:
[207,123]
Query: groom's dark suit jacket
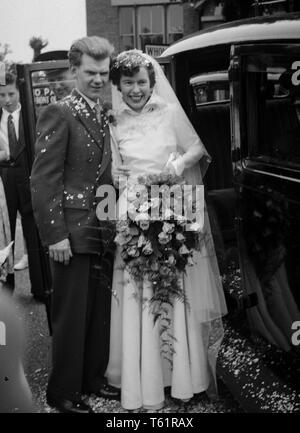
[73,157]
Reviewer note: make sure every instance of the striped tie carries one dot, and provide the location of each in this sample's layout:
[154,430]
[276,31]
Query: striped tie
[98,112]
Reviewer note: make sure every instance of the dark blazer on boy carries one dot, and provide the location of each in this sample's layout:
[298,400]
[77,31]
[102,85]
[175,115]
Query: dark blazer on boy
[16,181]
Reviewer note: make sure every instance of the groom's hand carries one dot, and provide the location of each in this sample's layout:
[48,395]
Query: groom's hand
[61,251]
[121,170]
[119,173]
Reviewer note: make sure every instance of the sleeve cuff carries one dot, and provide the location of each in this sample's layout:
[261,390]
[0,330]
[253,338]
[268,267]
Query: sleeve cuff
[178,165]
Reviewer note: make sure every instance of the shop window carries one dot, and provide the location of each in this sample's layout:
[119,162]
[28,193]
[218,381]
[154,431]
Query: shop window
[273,109]
[49,86]
[175,23]
[210,88]
[274,7]
[213,8]
[150,25]
[127,30]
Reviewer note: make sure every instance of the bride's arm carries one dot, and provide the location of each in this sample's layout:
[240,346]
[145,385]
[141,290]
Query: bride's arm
[193,153]
[189,144]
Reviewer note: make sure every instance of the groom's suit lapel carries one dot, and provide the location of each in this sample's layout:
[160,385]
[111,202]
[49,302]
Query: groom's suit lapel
[100,135]
[87,117]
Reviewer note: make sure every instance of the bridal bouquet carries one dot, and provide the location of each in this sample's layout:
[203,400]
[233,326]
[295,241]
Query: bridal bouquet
[154,240]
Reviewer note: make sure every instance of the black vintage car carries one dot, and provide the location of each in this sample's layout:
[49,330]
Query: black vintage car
[240,85]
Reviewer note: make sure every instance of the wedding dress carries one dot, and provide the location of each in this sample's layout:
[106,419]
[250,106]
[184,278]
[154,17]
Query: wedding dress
[143,359]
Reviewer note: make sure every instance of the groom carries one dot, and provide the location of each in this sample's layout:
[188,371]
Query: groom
[72,159]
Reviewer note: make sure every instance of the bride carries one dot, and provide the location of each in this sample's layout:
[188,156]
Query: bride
[151,134]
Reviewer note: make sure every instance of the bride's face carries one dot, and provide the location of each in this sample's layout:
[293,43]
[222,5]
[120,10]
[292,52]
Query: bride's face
[136,90]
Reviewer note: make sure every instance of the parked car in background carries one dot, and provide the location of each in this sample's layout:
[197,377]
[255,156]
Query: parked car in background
[239,83]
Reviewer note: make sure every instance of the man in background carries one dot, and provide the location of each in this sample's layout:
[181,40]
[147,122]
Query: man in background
[15,176]
[61,82]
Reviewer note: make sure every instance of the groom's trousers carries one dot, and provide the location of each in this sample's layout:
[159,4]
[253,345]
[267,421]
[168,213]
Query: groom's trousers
[81,326]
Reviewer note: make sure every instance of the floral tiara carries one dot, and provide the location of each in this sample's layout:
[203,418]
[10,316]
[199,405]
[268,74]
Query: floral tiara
[131,59]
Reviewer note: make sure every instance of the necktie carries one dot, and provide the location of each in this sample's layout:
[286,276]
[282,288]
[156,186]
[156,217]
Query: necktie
[98,112]
[12,137]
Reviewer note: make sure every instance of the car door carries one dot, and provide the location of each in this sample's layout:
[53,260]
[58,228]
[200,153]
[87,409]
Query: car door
[40,84]
[265,97]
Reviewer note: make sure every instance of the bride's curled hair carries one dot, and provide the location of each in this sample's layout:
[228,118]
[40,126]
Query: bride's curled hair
[128,63]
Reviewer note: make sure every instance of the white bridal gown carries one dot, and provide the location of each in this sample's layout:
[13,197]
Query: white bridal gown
[142,360]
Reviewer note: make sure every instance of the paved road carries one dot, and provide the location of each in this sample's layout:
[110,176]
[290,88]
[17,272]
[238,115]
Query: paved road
[38,349]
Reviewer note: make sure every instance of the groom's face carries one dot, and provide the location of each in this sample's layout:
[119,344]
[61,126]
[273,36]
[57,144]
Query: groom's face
[91,76]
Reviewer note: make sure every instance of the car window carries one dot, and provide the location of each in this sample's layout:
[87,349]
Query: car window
[210,87]
[272,105]
[49,86]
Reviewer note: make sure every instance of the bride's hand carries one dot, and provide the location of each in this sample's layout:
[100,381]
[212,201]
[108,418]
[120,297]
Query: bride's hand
[121,170]
[169,169]
[174,165]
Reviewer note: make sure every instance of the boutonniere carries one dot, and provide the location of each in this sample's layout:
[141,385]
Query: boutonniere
[109,113]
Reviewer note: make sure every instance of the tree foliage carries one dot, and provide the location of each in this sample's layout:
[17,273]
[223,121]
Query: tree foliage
[4,50]
[10,66]
[37,43]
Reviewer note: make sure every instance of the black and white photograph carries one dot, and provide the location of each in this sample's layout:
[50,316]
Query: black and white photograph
[150,209]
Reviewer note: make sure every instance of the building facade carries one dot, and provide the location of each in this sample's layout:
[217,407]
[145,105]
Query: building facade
[141,23]
[274,7]
[151,25]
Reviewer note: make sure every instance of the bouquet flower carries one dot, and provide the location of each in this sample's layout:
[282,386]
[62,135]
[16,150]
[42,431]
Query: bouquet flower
[153,237]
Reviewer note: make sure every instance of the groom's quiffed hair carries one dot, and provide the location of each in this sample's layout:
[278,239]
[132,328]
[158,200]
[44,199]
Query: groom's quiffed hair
[94,46]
